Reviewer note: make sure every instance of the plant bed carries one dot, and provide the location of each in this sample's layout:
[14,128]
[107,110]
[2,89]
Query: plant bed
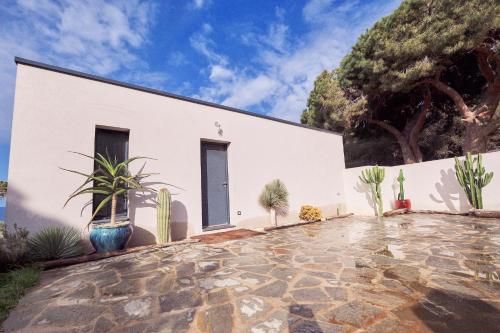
[220,237]
[103,255]
[480,213]
[328,218]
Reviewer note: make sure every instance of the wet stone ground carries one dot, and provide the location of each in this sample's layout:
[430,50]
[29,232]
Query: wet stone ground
[414,273]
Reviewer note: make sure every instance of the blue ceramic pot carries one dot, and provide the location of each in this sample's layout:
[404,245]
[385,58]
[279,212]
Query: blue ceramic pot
[107,238]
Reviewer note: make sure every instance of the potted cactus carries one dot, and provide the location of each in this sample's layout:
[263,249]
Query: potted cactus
[111,179]
[401,202]
[374,177]
[472,177]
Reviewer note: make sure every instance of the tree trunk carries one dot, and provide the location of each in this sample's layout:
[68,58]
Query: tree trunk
[476,138]
[408,138]
[113,209]
[406,151]
[480,123]
[272,216]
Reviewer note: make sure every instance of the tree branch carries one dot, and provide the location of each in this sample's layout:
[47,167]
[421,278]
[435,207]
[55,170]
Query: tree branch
[419,125]
[465,112]
[408,155]
[483,56]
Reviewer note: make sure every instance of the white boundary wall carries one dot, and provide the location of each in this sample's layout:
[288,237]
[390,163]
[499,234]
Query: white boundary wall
[429,185]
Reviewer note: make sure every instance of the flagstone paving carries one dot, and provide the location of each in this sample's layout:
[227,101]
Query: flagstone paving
[413,273]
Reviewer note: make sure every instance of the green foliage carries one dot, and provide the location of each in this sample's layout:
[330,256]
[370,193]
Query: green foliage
[3,188]
[13,286]
[275,196]
[401,180]
[55,243]
[417,40]
[163,214]
[111,179]
[472,177]
[310,213]
[328,105]
[381,78]
[374,177]
[14,248]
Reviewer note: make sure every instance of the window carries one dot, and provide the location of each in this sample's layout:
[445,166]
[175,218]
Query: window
[114,144]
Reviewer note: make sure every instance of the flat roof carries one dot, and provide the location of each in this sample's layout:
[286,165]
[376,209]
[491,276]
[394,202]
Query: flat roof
[27,62]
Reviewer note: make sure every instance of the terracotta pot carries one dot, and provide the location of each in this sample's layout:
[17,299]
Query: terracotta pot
[400,204]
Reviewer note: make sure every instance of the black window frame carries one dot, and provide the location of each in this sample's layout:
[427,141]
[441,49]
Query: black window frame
[122,135]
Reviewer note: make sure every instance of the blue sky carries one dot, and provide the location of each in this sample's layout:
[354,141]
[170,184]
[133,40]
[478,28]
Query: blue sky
[261,56]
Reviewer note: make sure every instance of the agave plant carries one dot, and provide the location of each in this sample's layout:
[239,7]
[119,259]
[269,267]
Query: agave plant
[274,198]
[111,179]
[55,243]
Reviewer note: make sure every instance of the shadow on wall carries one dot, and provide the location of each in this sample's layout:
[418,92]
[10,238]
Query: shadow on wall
[179,221]
[143,200]
[365,188]
[138,199]
[450,193]
[34,222]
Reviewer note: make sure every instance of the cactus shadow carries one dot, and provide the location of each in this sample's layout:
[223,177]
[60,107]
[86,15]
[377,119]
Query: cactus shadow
[365,188]
[179,221]
[450,193]
[138,199]
[395,192]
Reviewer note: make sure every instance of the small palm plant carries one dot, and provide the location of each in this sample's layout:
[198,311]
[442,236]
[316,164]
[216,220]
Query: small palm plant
[111,179]
[274,198]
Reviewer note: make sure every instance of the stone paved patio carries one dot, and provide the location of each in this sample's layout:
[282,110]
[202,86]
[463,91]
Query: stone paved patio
[414,273]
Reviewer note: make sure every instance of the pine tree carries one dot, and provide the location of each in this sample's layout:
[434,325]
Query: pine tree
[416,48]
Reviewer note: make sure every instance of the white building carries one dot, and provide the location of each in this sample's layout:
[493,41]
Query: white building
[219,157]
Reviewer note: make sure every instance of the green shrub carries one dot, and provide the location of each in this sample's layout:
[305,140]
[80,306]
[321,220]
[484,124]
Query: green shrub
[310,213]
[55,243]
[13,286]
[13,248]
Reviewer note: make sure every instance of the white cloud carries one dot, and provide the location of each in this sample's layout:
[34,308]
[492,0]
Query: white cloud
[250,91]
[207,28]
[199,4]
[220,73]
[316,8]
[202,43]
[176,59]
[94,36]
[288,66]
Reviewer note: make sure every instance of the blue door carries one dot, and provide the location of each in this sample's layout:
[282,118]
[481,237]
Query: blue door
[214,183]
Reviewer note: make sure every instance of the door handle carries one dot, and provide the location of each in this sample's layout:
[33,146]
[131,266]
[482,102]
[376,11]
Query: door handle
[224,184]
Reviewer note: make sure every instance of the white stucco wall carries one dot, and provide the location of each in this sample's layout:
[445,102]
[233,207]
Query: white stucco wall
[430,185]
[55,113]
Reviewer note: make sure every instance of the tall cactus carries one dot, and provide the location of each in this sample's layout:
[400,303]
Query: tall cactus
[401,179]
[164,203]
[472,178]
[374,177]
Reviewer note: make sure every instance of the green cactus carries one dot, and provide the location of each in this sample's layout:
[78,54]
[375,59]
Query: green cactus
[164,203]
[374,177]
[472,177]
[401,179]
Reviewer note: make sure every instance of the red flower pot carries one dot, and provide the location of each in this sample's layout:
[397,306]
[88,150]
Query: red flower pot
[400,204]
